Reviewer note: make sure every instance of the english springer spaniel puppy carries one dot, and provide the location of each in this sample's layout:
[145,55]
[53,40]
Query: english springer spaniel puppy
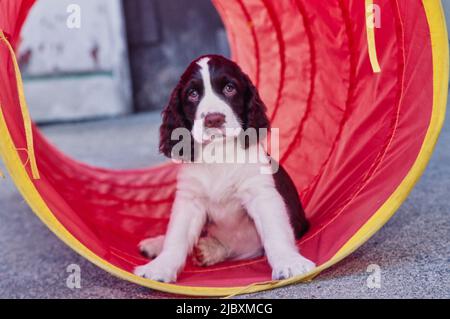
[224,210]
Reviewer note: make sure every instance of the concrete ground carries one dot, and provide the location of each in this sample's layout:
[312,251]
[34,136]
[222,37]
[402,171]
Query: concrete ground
[412,250]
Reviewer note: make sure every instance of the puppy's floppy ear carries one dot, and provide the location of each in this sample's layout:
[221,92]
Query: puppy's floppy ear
[172,118]
[256,117]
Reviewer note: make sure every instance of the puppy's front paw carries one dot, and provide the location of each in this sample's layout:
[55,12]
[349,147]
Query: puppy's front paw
[157,270]
[151,247]
[291,266]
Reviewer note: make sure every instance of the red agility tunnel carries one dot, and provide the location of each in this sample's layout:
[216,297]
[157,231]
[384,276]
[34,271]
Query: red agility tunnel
[357,88]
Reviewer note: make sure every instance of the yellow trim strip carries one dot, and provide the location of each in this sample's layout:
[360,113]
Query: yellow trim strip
[439,41]
[24,109]
[370,31]
[440,56]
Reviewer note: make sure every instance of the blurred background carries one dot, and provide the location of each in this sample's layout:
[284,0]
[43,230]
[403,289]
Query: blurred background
[124,57]
[97,73]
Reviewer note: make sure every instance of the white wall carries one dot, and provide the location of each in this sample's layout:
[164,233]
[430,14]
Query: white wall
[75,73]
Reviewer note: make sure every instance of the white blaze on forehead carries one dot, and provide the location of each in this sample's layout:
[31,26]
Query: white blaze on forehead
[206,76]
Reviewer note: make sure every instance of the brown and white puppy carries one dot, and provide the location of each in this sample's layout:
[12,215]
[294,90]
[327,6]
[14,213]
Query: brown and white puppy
[241,212]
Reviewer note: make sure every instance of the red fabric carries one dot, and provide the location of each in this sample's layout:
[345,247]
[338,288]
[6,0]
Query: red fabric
[348,136]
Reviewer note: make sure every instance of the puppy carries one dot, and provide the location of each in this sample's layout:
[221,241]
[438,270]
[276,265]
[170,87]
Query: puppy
[224,210]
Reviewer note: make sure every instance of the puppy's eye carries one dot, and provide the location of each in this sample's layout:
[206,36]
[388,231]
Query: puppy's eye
[193,95]
[229,89]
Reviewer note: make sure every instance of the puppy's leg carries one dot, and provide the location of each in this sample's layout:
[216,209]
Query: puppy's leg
[244,242]
[151,247]
[186,222]
[268,210]
[236,242]
[209,251]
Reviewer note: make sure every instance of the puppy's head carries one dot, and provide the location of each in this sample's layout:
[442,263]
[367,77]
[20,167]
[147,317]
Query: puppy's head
[213,97]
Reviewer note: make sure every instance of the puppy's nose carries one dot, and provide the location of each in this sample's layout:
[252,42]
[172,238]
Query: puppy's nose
[214,120]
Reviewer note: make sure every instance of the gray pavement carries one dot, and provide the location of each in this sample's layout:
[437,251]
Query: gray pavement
[412,249]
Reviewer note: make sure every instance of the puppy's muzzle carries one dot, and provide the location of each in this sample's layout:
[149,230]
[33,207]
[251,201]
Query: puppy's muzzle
[214,120]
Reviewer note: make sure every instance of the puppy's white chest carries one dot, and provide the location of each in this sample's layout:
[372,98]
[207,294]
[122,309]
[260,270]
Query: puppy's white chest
[220,189]
[220,192]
